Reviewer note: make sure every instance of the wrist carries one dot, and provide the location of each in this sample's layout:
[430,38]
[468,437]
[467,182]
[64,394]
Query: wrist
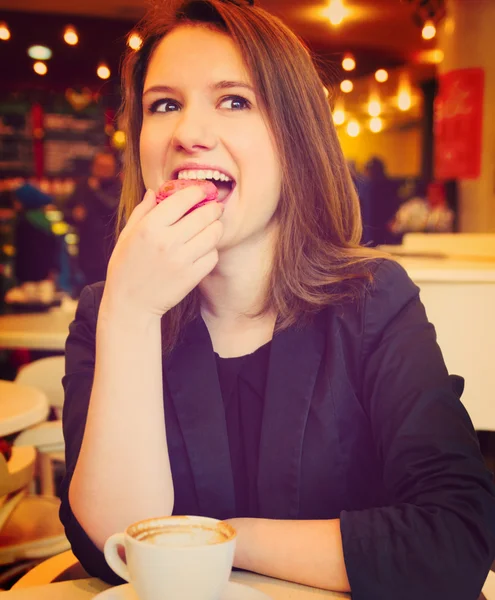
[120,313]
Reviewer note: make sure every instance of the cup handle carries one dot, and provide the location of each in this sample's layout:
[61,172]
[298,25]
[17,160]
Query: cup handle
[112,555]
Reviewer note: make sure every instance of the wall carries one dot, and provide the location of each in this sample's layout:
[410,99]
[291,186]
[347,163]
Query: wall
[400,150]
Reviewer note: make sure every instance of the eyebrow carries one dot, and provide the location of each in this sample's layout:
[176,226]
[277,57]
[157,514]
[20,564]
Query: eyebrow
[221,85]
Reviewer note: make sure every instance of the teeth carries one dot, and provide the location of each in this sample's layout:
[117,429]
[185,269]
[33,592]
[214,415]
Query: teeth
[202,175]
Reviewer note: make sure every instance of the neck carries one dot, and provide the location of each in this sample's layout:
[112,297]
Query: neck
[236,287]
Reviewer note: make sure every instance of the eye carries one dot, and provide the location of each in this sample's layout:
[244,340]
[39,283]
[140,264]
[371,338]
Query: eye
[236,103]
[163,105]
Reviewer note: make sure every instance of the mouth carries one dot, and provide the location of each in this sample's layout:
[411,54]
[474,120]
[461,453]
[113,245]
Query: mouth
[224,183]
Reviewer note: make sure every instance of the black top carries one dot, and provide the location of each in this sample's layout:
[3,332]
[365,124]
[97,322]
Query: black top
[242,383]
[360,422]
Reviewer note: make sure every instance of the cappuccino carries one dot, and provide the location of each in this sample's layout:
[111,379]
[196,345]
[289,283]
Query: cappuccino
[181,535]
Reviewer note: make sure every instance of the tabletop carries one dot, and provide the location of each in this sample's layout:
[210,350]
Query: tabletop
[87,589]
[21,406]
[37,331]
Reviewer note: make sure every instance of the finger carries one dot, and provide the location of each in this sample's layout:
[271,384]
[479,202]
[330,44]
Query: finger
[204,266]
[147,204]
[193,224]
[204,242]
[177,205]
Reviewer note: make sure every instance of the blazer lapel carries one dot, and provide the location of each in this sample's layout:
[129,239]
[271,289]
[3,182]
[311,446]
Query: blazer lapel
[295,358]
[192,378]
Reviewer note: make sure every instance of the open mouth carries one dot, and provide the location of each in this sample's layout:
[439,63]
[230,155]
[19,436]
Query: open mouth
[224,184]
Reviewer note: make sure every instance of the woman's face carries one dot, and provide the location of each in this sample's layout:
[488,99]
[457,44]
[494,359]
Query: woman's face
[200,114]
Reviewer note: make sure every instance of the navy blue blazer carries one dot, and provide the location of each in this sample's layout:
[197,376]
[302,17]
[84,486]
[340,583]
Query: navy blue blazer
[360,423]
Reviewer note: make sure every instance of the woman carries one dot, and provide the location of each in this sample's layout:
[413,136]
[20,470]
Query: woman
[248,360]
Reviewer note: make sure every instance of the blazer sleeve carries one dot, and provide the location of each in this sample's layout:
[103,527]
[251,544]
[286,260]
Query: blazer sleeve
[78,381]
[436,537]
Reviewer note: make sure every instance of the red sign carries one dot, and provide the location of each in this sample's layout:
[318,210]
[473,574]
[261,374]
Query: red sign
[458,124]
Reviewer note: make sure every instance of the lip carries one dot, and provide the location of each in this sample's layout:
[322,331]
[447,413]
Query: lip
[202,167]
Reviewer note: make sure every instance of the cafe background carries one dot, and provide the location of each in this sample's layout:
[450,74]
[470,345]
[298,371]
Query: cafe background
[396,82]
[410,85]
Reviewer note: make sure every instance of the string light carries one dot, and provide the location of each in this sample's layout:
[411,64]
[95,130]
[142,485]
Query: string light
[404,100]
[134,41]
[40,68]
[374,107]
[70,36]
[353,128]
[347,86]
[381,75]
[338,116]
[429,30]
[103,71]
[336,12]
[349,63]
[376,125]
[431,57]
[4,31]
[39,52]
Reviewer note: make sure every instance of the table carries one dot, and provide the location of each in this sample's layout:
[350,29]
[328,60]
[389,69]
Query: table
[86,589]
[37,331]
[21,406]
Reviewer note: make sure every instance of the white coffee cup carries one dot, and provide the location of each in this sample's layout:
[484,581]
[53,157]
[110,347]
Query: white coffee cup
[174,558]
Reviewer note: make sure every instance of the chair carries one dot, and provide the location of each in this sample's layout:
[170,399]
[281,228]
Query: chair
[45,374]
[63,567]
[30,528]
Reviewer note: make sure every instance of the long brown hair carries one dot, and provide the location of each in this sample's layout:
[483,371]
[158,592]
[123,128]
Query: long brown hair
[317,259]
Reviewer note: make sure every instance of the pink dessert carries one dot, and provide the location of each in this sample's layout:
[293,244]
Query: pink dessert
[175,185]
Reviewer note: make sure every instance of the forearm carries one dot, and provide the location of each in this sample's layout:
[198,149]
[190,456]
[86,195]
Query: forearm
[123,470]
[307,552]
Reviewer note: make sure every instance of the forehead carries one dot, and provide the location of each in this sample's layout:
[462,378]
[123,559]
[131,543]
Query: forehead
[197,53]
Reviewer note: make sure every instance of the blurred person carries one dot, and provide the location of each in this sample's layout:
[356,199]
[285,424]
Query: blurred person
[359,180]
[248,360]
[379,196]
[92,211]
[37,247]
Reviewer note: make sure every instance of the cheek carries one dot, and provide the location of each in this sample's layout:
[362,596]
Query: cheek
[151,152]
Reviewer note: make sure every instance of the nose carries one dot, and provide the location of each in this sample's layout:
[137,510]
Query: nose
[193,131]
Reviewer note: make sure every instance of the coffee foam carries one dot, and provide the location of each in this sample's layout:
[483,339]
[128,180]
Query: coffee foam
[181,535]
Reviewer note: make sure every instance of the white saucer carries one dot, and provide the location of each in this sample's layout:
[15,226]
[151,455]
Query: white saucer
[233,591]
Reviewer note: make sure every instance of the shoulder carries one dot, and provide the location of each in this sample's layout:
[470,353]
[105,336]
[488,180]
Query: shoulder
[390,286]
[83,327]
[90,299]
[376,303]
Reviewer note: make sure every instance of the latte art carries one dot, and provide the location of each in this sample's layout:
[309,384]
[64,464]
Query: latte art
[181,536]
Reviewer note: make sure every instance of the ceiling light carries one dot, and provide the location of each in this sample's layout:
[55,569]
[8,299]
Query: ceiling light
[40,68]
[347,86]
[376,125]
[353,128]
[4,31]
[429,30]
[348,64]
[134,41]
[338,116]
[103,71]
[381,75]
[40,52]
[335,12]
[70,36]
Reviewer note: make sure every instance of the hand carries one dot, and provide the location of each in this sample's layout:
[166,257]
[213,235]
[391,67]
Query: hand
[162,255]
